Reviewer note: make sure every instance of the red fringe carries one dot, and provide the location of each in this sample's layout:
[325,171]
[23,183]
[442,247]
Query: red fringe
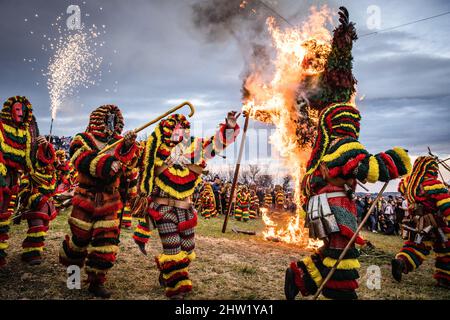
[390,164]
[180,180]
[97,231]
[100,165]
[348,233]
[299,279]
[176,276]
[27,244]
[4,236]
[79,201]
[139,239]
[344,284]
[108,209]
[111,257]
[37,229]
[170,264]
[154,214]
[441,275]
[352,164]
[189,224]
[42,154]
[128,156]
[186,288]
[5,215]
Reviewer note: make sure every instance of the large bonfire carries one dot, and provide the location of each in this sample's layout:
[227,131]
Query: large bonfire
[279,98]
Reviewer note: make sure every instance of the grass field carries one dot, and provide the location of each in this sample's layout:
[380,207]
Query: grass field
[228,266]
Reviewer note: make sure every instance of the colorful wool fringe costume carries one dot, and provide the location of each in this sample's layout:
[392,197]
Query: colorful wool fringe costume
[429,203]
[280,198]
[94,222]
[24,162]
[172,171]
[336,161]
[254,204]
[207,202]
[242,206]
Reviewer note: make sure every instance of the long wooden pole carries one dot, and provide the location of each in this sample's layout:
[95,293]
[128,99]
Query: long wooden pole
[349,244]
[236,174]
[186,103]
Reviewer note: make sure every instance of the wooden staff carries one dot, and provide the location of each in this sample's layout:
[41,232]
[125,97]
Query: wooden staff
[347,247]
[236,173]
[186,103]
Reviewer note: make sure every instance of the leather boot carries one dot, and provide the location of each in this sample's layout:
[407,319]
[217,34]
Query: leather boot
[99,290]
[398,266]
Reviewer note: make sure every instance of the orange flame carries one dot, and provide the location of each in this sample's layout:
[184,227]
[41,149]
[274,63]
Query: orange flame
[300,53]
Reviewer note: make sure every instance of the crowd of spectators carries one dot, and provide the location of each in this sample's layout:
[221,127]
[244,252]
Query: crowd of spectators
[387,216]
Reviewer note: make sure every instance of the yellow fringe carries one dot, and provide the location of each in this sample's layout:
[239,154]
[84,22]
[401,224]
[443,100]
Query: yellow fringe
[174,193]
[93,166]
[405,158]
[105,224]
[25,250]
[313,271]
[192,256]
[104,249]
[37,234]
[163,258]
[4,245]
[442,202]
[83,225]
[5,223]
[442,271]
[435,187]
[345,264]
[407,257]
[374,170]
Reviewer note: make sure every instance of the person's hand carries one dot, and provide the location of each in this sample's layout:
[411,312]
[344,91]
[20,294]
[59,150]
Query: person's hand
[129,138]
[115,166]
[41,141]
[231,119]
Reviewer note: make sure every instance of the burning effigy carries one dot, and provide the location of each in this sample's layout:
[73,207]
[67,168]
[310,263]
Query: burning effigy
[282,72]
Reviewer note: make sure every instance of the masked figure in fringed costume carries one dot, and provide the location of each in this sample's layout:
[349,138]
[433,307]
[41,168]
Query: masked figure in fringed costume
[280,198]
[97,201]
[254,203]
[242,205]
[268,199]
[207,202]
[429,203]
[37,186]
[174,162]
[23,151]
[337,161]
[64,181]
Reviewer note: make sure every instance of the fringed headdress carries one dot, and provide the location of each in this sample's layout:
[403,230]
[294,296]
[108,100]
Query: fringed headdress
[160,136]
[98,121]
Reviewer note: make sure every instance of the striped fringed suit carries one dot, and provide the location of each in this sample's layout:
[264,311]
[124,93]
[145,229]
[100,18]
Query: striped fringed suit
[242,206]
[94,222]
[346,159]
[169,180]
[435,201]
[254,205]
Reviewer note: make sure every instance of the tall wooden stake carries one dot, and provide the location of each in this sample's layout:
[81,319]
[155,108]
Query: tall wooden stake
[347,247]
[236,174]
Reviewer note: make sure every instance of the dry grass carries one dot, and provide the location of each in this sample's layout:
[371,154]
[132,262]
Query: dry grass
[228,266]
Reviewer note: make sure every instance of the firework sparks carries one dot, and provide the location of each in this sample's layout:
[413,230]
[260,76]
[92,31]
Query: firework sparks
[74,64]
